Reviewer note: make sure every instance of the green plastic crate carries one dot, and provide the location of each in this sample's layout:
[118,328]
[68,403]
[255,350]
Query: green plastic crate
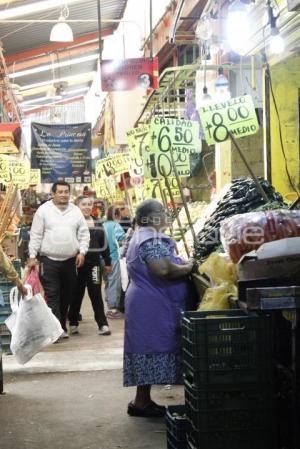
[228,347]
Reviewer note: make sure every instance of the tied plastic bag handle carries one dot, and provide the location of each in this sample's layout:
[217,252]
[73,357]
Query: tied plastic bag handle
[14,297]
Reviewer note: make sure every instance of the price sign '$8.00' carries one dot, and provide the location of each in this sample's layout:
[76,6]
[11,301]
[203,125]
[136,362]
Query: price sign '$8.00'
[5,176]
[236,116]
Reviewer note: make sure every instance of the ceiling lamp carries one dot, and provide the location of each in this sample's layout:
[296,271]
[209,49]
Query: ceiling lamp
[62,32]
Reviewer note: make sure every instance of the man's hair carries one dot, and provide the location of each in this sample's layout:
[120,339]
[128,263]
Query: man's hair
[145,210]
[81,198]
[60,183]
[113,212]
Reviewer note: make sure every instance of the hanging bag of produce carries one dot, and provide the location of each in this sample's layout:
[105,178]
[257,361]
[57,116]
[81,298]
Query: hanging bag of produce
[32,325]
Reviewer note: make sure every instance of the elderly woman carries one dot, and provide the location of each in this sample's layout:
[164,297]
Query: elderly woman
[154,300]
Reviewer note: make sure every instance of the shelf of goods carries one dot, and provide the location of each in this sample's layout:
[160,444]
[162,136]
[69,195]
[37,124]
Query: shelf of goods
[239,197]
[5,310]
[195,210]
[227,361]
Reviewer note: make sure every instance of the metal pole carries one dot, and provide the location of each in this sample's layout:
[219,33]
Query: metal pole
[165,203]
[253,175]
[99,30]
[151,29]
[188,215]
[176,212]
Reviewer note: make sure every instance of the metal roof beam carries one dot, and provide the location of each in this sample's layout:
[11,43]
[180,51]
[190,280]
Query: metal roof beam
[34,52]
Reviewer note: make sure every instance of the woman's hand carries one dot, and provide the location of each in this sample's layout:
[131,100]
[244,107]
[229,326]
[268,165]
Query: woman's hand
[22,290]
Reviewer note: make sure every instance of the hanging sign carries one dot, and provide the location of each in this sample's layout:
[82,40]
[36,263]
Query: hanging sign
[166,135]
[20,173]
[138,144]
[152,189]
[129,74]
[62,152]
[236,116]
[4,170]
[35,177]
[113,165]
[104,188]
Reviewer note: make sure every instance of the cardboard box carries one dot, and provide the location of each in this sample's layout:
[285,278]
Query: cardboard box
[278,259]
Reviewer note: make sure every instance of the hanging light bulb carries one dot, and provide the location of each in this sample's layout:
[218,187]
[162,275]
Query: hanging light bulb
[204,29]
[238,27]
[276,41]
[222,91]
[206,98]
[62,32]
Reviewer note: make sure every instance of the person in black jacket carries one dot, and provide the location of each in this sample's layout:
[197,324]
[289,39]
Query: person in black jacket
[89,275]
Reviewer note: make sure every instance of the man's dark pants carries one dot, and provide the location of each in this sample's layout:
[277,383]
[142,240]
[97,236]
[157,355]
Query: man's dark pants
[58,279]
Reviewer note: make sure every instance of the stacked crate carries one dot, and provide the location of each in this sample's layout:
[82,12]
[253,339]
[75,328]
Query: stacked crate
[228,371]
[5,310]
[177,427]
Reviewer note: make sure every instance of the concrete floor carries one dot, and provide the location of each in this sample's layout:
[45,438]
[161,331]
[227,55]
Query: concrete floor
[70,396]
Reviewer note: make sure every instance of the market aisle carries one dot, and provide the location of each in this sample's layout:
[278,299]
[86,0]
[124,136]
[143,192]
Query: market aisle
[71,397]
[87,351]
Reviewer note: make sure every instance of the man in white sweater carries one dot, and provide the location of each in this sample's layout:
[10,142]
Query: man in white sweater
[60,236]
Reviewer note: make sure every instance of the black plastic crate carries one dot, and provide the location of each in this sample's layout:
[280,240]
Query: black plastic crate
[177,426]
[228,347]
[228,409]
[172,443]
[231,440]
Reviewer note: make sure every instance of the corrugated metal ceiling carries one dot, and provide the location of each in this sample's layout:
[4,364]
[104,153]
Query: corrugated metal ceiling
[19,37]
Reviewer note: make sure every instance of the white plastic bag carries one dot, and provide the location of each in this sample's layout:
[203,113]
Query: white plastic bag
[32,324]
[124,274]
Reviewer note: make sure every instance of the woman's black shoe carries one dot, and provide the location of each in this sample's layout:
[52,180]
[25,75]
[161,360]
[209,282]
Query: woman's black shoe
[150,411]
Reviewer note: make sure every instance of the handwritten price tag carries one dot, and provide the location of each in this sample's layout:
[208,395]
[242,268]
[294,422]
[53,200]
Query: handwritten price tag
[35,177]
[236,116]
[20,173]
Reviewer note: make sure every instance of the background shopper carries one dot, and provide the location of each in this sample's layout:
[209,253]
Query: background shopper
[89,275]
[60,235]
[115,235]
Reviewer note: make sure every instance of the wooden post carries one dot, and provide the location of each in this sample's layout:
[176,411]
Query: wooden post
[183,199]
[165,203]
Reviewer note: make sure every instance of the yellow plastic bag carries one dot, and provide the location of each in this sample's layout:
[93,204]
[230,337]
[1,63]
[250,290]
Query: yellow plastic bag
[216,298]
[219,269]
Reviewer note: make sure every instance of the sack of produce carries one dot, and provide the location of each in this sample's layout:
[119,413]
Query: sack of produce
[241,197]
[216,298]
[219,269]
[241,234]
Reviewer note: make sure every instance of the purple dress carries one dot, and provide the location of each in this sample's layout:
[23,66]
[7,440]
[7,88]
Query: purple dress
[153,309]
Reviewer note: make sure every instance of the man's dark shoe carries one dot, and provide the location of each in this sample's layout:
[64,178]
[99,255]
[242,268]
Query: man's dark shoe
[149,411]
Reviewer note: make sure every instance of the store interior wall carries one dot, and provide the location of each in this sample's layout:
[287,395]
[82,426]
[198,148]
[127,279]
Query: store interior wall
[286,84]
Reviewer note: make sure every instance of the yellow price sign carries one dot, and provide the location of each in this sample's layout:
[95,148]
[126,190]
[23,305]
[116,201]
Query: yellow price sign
[152,188]
[35,177]
[113,165]
[20,173]
[138,144]
[236,116]
[5,176]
